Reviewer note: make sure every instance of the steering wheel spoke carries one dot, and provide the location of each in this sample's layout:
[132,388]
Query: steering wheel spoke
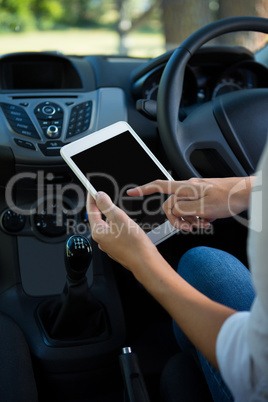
[203,147]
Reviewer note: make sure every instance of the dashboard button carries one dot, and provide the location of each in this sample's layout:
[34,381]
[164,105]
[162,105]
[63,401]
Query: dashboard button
[80,119]
[17,126]
[15,113]
[25,129]
[48,110]
[24,144]
[19,120]
[45,109]
[51,148]
[29,133]
[10,107]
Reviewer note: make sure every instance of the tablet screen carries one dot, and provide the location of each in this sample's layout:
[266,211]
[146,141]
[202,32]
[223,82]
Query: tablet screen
[118,164]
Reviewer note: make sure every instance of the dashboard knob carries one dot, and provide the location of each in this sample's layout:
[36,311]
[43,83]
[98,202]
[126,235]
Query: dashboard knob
[53,131]
[13,222]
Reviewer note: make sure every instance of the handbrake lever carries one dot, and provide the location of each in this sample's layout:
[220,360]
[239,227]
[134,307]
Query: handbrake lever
[133,379]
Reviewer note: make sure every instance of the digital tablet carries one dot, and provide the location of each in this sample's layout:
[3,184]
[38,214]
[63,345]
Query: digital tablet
[115,159]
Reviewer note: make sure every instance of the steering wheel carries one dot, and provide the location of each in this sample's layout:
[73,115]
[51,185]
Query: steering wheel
[225,136]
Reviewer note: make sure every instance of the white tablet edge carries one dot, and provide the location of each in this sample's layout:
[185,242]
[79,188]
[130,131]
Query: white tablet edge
[162,232]
[158,234]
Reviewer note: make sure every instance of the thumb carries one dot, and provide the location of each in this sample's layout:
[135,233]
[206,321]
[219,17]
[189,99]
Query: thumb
[103,202]
[106,206]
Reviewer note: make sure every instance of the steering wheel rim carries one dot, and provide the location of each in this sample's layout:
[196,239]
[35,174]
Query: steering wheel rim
[179,138]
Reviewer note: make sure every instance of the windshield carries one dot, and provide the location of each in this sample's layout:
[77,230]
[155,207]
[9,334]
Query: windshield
[140,28]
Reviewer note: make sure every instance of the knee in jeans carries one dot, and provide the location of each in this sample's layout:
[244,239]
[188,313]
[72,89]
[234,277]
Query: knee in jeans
[196,263]
[194,258]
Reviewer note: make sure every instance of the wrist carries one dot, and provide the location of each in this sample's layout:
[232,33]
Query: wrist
[239,195]
[249,182]
[151,270]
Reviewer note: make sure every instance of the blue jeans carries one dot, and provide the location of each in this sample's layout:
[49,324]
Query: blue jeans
[224,279]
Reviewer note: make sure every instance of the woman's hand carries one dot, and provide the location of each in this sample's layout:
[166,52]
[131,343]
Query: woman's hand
[118,236]
[197,202]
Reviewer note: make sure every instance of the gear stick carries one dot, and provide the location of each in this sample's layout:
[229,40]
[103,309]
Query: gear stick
[76,314]
[77,257]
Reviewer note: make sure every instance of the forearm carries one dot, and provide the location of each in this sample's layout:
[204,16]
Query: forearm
[199,317]
[124,241]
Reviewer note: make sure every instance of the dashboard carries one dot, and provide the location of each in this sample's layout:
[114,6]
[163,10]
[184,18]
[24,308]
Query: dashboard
[210,73]
[48,100]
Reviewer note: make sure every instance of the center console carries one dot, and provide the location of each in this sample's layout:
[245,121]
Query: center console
[46,101]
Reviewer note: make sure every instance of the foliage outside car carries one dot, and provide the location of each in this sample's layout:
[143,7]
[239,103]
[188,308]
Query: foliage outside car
[126,25]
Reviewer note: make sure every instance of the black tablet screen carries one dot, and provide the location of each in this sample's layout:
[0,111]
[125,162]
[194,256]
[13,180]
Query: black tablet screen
[118,164]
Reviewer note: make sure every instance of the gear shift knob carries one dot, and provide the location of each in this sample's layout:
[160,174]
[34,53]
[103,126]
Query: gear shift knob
[76,314]
[78,256]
